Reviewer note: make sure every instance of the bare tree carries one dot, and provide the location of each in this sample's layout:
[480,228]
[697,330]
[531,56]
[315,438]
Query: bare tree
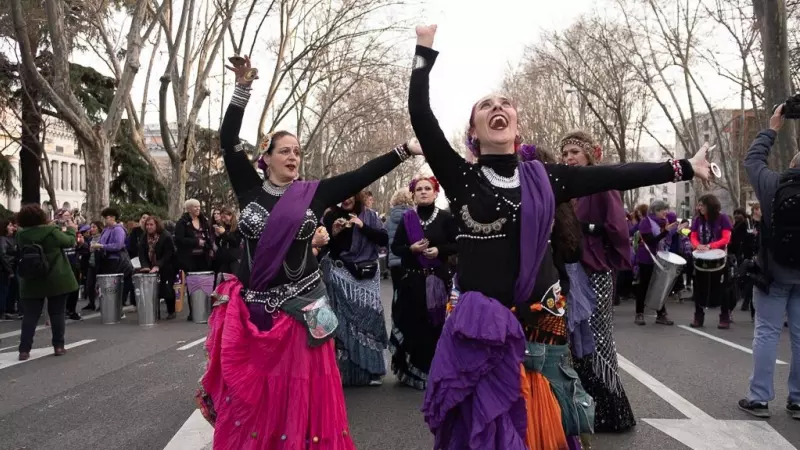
[662,44]
[306,30]
[197,49]
[95,140]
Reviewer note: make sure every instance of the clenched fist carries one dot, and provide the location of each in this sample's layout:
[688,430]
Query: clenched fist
[425,35]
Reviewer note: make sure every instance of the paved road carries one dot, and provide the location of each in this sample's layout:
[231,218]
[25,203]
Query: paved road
[124,387]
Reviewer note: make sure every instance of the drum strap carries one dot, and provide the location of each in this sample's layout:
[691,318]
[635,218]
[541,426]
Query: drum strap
[652,256]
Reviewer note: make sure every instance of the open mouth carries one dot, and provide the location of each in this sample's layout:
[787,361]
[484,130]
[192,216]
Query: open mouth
[498,122]
[291,166]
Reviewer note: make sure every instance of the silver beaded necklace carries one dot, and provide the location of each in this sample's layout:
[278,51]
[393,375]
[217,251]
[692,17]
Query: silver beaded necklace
[273,190]
[430,220]
[500,181]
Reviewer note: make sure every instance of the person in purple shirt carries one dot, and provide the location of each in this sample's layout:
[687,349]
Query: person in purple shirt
[110,247]
[653,230]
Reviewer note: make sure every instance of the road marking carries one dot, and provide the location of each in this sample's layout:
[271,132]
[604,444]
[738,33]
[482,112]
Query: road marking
[192,344]
[10,359]
[723,341]
[195,434]
[9,347]
[45,327]
[681,404]
[700,431]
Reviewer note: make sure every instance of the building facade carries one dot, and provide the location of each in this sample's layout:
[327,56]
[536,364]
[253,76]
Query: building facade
[66,164]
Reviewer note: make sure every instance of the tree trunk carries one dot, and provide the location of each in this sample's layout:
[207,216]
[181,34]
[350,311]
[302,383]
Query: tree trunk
[771,17]
[177,189]
[97,155]
[29,159]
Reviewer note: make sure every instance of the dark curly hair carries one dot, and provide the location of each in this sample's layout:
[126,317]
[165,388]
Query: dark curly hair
[713,206]
[31,215]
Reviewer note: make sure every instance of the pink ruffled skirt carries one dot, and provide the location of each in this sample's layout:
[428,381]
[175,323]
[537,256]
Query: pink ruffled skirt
[269,390]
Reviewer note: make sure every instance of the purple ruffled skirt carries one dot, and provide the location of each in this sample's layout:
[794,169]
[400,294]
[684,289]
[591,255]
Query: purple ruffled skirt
[473,398]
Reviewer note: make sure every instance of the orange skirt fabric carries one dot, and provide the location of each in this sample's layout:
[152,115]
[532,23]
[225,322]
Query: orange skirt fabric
[544,431]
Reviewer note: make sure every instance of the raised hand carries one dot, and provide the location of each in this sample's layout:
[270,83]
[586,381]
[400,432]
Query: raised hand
[700,164]
[414,147]
[425,35]
[245,73]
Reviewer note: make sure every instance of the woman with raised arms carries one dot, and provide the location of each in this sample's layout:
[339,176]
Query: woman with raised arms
[272,380]
[501,376]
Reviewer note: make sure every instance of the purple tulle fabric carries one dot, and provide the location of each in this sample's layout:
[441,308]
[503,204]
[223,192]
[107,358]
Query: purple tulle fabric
[436,296]
[581,303]
[473,399]
[203,281]
[574,443]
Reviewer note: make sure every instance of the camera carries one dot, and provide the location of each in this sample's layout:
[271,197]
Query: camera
[791,108]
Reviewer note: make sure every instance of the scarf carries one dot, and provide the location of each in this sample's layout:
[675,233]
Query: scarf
[284,222]
[361,249]
[152,240]
[435,289]
[537,213]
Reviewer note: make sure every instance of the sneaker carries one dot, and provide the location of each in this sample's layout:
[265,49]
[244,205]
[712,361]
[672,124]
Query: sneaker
[171,316]
[758,409]
[794,410]
[639,319]
[74,316]
[663,319]
[377,382]
[724,324]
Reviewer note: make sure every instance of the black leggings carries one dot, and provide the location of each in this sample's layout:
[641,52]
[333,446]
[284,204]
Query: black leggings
[645,274]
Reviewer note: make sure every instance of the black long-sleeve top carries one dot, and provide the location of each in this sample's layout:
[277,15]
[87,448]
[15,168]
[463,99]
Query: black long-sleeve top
[441,233]
[342,241]
[487,215]
[255,202]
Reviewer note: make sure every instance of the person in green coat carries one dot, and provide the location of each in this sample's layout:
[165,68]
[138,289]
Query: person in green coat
[55,286]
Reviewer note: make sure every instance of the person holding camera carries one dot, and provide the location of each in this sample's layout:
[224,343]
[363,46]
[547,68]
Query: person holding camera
[777,273]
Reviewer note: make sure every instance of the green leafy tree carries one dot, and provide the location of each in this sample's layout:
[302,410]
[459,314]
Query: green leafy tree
[134,180]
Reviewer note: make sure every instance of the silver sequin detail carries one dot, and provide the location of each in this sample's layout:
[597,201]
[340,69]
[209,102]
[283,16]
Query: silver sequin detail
[602,325]
[254,218]
[478,227]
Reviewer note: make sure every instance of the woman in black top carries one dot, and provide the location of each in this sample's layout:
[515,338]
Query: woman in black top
[353,281]
[487,199]
[416,319]
[157,255]
[266,385]
[229,242]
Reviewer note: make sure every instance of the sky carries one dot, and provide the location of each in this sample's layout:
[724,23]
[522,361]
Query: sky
[478,40]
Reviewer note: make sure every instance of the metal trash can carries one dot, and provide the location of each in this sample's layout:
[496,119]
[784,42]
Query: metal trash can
[200,286]
[666,269]
[109,293]
[147,302]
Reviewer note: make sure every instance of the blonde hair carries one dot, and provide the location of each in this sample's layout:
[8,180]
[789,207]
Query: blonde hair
[402,197]
[191,202]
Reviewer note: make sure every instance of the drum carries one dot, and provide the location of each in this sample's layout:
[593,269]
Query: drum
[147,299]
[109,288]
[200,285]
[667,268]
[709,261]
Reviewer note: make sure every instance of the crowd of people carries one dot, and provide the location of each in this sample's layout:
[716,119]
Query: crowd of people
[503,302]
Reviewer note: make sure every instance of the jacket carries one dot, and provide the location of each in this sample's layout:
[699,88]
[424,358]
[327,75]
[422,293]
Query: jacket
[187,240]
[61,279]
[113,240]
[394,219]
[8,255]
[165,254]
[765,183]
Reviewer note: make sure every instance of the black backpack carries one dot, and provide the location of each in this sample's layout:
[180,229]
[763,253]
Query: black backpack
[785,222]
[33,262]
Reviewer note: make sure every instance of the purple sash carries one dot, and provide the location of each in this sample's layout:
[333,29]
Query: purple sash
[435,289]
[537,211]
[284,222]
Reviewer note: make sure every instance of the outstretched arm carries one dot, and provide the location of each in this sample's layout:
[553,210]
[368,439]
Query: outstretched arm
[341,187]
[241,172]
[445,162]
